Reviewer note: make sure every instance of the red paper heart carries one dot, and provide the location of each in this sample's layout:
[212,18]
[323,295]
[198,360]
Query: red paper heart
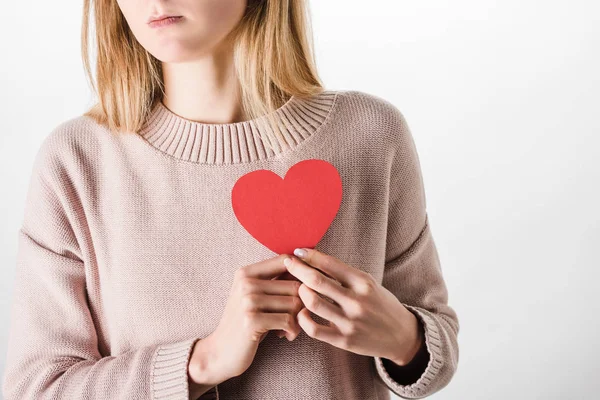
[295,211]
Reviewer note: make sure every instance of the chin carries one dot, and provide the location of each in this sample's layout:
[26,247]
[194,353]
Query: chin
[178,51]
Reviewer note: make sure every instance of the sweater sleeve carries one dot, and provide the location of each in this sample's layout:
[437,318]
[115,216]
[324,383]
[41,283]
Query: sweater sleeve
[52,342]
[413,273]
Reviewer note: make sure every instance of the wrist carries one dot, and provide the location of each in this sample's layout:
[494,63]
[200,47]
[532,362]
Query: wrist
[416,341]
[201,369]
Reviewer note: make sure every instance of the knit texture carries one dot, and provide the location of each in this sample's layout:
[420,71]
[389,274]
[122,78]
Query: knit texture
[129,245]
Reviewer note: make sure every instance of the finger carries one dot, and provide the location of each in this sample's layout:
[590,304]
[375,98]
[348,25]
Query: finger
[266,269]
[281,287]
[321,307]
[274,321]
[332,266]
[274,304]
[287,277]
[314,279]
[317,331]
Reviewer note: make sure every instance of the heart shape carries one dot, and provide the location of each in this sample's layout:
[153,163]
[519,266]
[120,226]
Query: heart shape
[295,211]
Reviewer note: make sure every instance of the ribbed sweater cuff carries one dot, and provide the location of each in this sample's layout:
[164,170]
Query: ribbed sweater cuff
[170,370]
[433,342]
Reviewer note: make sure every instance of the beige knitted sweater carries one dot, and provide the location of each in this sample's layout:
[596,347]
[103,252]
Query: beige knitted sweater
[128,247]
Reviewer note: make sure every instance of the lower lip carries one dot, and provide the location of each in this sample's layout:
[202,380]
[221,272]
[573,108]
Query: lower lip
[164,22]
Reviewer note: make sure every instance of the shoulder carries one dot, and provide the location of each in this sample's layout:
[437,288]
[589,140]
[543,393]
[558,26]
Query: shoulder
[68,148]
[378,117]
[368,110]
[70,135]
[372,104]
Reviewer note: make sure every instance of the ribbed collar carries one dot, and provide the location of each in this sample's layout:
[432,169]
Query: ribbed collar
[237,142]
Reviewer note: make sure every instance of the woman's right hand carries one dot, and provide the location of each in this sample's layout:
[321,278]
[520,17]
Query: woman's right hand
[258,302]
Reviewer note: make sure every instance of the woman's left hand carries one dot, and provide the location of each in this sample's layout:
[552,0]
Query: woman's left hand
[364,317]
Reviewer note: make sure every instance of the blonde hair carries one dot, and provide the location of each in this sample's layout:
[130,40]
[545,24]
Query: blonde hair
[273,60]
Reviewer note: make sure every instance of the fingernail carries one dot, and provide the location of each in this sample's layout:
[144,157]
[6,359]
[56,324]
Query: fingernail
[300,252]
[287,261]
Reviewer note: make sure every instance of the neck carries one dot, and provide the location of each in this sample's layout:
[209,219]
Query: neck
[205,89]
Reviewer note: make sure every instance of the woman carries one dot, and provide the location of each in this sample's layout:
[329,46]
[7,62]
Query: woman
[154,255]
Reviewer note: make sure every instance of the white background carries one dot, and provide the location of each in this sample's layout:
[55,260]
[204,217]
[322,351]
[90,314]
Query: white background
[503,100]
